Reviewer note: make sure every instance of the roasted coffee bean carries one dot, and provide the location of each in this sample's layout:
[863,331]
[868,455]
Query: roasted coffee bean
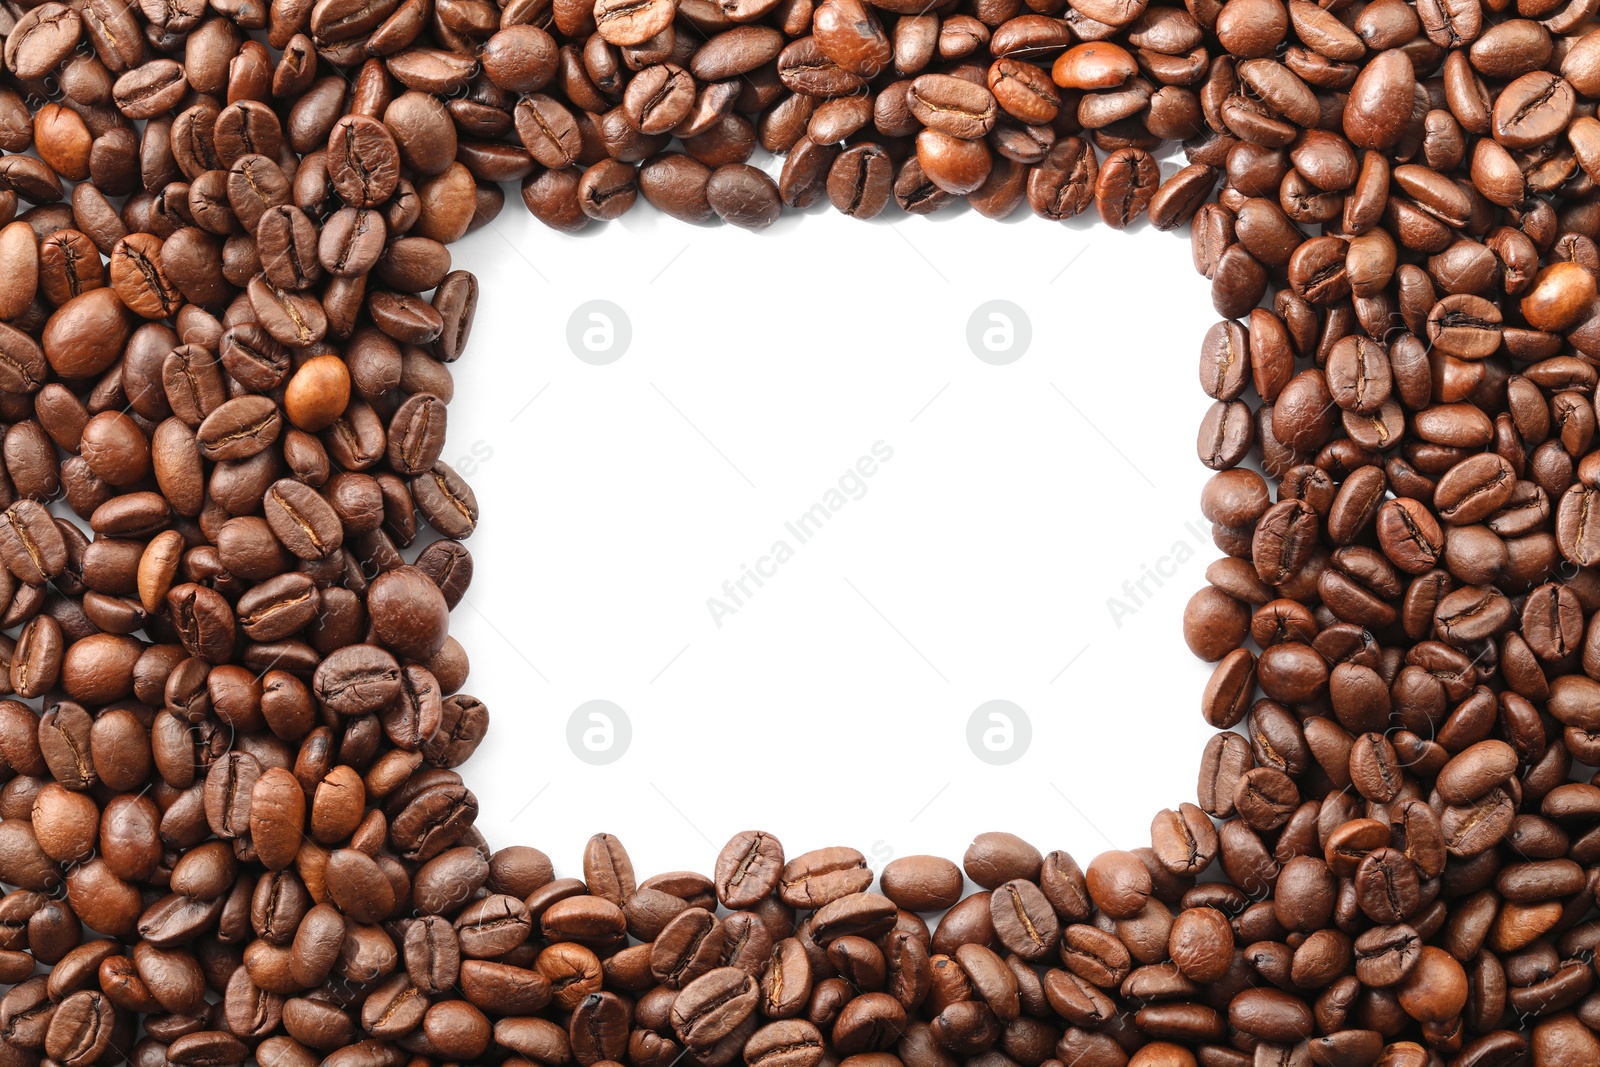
[712,1007]
[815,879]
[748,869]
[922,883]
[363,161]
[1024,921]
[859,181]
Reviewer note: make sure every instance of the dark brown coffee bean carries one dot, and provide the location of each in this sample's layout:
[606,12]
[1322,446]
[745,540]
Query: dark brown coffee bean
[859,181]
[363,161]
[302,520]
[1023,919]
[713,1006]
[748,869]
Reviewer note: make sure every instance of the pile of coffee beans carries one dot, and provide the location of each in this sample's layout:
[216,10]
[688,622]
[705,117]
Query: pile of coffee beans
[230,820]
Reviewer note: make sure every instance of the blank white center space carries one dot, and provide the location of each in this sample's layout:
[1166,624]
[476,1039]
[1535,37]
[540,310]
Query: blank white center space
[799,532]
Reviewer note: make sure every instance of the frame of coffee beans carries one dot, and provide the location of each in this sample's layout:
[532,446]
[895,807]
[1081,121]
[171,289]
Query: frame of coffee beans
[231,825]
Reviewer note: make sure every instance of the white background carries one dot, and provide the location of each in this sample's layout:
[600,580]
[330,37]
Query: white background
[832,707]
